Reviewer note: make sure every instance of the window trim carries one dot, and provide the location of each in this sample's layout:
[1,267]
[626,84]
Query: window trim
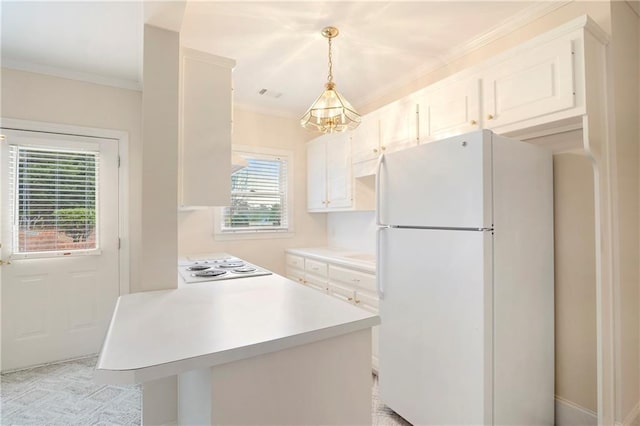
[254,234]
[62,146]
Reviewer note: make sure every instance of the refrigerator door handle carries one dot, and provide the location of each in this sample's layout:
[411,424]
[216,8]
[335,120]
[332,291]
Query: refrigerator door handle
[379,288]
[378,192]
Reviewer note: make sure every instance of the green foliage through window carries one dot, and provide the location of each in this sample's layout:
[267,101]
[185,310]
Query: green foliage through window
[258,196]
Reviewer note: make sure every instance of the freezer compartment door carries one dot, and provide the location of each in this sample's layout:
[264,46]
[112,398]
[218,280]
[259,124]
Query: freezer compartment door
[445,183]
[436,334]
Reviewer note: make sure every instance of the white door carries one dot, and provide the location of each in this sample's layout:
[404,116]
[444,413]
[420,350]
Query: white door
[435,335]
[445,183]
[60,235]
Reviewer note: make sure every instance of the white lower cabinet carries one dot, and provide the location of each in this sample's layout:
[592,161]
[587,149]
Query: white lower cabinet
[350,285]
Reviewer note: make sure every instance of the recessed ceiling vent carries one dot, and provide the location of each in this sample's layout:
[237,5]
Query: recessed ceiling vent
[270,93]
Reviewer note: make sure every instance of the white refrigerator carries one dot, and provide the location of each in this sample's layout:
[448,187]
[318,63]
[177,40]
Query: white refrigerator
[465,280]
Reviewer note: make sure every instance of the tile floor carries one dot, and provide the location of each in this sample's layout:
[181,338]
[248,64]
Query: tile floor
[65,394]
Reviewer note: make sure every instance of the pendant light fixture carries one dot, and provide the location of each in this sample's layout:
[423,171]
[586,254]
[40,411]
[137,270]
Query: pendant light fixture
[331,112]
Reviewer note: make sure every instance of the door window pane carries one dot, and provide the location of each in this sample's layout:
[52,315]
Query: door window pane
[55,200]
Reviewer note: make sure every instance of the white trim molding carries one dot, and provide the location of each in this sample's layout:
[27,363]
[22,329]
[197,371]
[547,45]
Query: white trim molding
[571,414]
[633,418]
[123,177]
[103,80]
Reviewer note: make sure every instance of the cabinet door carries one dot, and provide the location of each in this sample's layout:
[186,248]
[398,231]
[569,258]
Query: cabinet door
[530,85]
[366,139]
[398,125]
[339,171]
[296,275]
[315,268]
[450,109]
[316,175]
[205,129]
[341,292]
[318,283]
[353,278]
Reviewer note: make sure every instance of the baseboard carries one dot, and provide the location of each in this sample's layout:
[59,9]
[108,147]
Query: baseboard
[570,414]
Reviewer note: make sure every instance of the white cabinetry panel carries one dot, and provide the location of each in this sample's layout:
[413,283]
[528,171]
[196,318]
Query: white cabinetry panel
[450,108]
[399,125]
[329,180]
[316,174]
[366,138]
[205,129]
[530,84]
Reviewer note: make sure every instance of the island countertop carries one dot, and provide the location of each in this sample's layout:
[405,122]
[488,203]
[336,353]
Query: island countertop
[162,333]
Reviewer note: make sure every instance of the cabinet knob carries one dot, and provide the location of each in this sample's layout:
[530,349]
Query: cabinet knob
[383,147]
[328,201]
[375,150]
[350,298]
[490,117]
[473,122]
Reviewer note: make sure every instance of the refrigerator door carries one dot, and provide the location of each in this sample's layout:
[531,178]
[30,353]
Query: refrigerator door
[445,183]
[436,335]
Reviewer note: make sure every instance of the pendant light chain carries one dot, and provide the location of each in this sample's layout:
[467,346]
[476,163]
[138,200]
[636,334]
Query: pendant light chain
[330,76]
[330,112]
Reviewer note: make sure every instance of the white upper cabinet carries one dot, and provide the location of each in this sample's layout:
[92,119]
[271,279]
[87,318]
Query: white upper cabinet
[329,173]
[316,174]
[449,108]
[339,194]
[205,129]
[366,138]
[530,84]
[399,125]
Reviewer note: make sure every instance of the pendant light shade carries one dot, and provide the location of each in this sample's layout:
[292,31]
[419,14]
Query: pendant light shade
[331,112]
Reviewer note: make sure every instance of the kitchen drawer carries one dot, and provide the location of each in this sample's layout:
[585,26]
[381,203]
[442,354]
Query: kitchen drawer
[296,275]
[315,267]
[367,301]
[353,278]
[295,261]
[342,293]
[316,282]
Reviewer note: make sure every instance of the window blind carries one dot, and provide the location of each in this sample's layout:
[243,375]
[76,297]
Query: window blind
[258,196]
[54,199]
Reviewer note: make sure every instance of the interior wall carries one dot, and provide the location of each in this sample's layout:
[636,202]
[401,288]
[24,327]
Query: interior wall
[352,231]
[38,97]
[159,190]
[575,280]
[626,73]
[196,227]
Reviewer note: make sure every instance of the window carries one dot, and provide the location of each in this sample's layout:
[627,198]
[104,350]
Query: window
[260,199]
[53,200]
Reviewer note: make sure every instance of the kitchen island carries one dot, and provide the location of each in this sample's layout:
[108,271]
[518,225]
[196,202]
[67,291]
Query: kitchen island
[259,350]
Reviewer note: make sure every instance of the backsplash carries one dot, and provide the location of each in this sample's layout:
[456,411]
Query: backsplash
[352,230]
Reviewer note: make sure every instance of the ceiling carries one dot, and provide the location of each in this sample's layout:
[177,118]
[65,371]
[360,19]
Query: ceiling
[277,45]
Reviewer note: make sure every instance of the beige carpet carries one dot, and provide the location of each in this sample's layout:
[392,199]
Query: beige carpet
[65,394]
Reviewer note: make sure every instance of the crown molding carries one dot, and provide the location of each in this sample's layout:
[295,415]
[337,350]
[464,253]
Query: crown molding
[524,17]
[120,83]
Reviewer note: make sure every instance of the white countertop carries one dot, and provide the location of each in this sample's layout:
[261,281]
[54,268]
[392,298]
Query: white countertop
[349,258]
[162,333]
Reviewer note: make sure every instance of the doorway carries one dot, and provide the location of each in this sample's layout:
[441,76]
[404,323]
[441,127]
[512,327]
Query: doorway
[60,245]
